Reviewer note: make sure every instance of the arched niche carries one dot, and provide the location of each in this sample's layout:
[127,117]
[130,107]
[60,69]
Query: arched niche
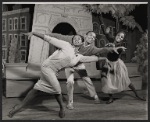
[63,28]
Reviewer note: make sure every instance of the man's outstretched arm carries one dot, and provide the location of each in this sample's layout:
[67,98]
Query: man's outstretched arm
[67,38]
[97,51]
[88,59]
[54,41]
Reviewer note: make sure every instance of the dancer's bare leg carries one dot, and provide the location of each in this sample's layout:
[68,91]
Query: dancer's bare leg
[70,89]
[70,86]
[29,97]
[60,102]
[131,86]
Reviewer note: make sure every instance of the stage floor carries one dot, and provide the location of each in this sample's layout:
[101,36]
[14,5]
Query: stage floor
[125,107]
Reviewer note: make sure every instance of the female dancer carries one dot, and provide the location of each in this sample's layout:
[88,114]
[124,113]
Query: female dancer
[114,73]
[63,57]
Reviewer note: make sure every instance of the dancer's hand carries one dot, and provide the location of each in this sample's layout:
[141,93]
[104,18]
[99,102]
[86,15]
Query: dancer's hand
[113,49]
[106,60]
[122,48]
[107,30]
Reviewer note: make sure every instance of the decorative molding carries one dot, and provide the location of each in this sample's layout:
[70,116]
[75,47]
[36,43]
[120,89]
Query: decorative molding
[41,19]
[70,10]
[15,11]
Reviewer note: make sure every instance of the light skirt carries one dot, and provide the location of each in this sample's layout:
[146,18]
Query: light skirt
[118,81]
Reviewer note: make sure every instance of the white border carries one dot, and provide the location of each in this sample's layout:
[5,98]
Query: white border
[74,2]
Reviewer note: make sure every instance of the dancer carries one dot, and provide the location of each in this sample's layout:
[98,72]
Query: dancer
[60,59]
[114,73]
[85,48]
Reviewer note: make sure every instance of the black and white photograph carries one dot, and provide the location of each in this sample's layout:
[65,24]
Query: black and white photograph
[74,60]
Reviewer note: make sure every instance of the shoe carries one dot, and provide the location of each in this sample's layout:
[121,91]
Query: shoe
[70,106]
[143,99]
[97,101]
[110,101]
[62,113]
[13,111]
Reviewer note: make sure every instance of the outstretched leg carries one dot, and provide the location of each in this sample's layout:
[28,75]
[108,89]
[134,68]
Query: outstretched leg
[91,89]
[60,102]
[81,70]
[131,86]
[70,89]
[110,99]
[29,97]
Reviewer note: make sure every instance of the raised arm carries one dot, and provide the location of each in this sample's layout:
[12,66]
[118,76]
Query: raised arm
[67,38]
[106,32]
[102,25]
[97,51]
[54,41]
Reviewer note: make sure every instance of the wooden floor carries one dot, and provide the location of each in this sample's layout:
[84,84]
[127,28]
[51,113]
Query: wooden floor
[125,107]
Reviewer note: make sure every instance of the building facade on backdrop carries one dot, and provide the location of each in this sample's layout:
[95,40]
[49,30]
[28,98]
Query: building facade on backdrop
[15,22]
